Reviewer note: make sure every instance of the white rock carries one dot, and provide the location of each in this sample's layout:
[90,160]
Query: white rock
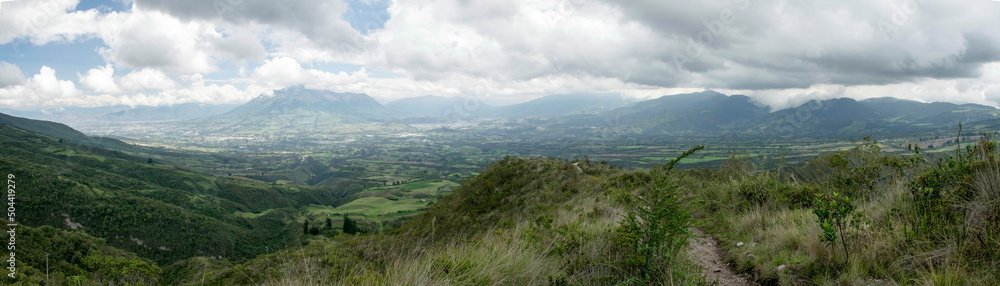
[739,244]
[782,267]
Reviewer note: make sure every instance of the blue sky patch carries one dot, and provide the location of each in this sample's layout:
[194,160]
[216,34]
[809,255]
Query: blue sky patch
[66,58]
[367,15]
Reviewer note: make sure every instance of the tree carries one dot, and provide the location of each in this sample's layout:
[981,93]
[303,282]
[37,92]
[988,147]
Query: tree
[350,226]
[305,227]
[329,223]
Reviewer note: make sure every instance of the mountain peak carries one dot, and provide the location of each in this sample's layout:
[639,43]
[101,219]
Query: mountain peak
[298,98]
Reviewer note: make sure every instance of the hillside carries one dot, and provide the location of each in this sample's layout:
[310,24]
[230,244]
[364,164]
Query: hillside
[67,115]
[66,134]
[75,257]
[61,131]
[520,222]
[158,211]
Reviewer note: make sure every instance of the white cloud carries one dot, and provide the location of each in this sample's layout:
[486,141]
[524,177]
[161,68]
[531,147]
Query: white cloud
[280,72]
[524,40]
[195,91]
[982,90]
[779,52]
[719,44]
[320,21]
[100,80]
[45,21]
[782,52]
[138,38]
[10,75]
[241,46]
[41,89]
[146,79]
[150,39]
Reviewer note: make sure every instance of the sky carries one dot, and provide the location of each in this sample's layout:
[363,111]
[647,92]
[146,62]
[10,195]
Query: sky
[56,53]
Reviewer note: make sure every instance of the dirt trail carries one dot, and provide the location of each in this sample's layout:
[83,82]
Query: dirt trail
[705,252]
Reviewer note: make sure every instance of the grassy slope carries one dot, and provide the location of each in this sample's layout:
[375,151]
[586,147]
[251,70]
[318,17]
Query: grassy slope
[925,223]
[520,222]
[388,203]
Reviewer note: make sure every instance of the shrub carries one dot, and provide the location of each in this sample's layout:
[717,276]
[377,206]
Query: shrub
[656,224]
[836,215]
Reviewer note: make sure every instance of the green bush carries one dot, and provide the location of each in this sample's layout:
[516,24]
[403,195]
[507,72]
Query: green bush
[656,224]
[836,216]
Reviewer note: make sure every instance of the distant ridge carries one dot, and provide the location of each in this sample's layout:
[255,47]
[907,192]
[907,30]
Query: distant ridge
[560,105]
[296,110]
[63,132]
[184,111]
[293,99]
[83,116]
[439,106]
[709,112]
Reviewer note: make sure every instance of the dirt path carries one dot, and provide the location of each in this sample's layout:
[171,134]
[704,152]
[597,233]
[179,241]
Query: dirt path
[705,252]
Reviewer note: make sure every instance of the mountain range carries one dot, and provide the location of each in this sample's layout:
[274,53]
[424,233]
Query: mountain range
[706,112]
[79,116]
[711,112]
[296,110]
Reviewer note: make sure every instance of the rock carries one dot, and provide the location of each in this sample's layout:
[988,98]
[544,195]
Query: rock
[751,256]
[739,244]
[717,270]
[782,267]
